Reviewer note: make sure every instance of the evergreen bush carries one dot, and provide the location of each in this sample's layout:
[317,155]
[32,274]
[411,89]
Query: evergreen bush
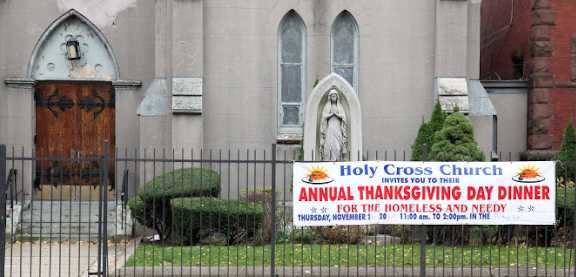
[194,218]
[438,117]
[350,234]
[421,143]
[566,158]
[137,207]
[151,207]
[425,137]
[185,182]
[455,141]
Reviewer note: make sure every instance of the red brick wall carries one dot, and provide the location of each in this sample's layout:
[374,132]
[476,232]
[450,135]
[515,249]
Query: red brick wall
[563,99]
[561,35]
[564,103]
[496,50]
[500,39]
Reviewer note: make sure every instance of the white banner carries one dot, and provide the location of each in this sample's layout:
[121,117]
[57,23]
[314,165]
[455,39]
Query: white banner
[442,193]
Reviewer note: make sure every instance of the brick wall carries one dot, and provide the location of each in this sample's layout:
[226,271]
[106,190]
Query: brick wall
[505,30]
[554,49]
[564,103]
[563,95]
[562,34]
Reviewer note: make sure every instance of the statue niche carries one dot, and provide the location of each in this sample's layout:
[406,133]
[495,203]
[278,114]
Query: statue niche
[332,123]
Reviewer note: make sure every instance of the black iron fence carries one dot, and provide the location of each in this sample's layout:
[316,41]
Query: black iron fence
[229,213]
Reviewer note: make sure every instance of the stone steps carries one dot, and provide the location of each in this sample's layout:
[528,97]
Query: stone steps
[74,220]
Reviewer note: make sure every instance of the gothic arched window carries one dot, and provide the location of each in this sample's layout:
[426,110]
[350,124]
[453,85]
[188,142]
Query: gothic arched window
[292,59]
[344,54]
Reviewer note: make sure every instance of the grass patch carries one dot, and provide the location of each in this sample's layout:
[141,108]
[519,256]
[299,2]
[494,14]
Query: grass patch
[350,255]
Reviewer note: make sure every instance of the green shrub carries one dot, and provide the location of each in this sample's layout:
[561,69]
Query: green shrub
[437,119]
[303,235]
[404,232]
[566,165]
[342,234]
[455,141]
[264,197]
[151,207]
[565,205]
[194,218]
[449,234]
[137,207]
[185,182]
[421,143]
[425,137]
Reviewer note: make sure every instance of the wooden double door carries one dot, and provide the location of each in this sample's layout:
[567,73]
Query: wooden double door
[74,122]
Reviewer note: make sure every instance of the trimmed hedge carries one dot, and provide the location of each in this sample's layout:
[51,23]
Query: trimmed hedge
[237,220]
[152,205]
[185,182]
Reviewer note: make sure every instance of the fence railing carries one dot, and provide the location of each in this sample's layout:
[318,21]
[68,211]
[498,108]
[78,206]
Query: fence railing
[229,213]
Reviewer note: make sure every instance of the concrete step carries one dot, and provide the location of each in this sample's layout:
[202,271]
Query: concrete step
[73,220]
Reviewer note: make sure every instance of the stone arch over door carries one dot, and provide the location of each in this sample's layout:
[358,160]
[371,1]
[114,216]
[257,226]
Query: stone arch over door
[45,51]
[74,100]
[97,60]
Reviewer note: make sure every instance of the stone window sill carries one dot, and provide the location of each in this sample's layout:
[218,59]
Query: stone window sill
[289,139]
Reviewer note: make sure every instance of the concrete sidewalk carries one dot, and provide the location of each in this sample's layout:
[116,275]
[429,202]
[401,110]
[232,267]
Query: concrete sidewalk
[61,258]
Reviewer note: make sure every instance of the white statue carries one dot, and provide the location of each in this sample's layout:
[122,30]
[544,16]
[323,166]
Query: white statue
[333,134]
[333,124]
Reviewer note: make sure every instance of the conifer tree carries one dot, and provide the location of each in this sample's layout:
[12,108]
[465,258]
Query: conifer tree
[425,137]
[566,158]
[438,117]
[421,141]
[455,141]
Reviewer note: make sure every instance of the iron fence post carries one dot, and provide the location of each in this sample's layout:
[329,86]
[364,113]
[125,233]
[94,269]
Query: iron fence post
[3,185]
[104,217]
[273,211]
[422,228]
[422,235]
[574,231]
[99,221]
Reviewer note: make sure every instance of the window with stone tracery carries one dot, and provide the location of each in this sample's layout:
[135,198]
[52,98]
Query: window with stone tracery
[344,42]
[292,56]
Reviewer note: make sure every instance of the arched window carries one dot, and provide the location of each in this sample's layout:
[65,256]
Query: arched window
[292,42]
[344,54]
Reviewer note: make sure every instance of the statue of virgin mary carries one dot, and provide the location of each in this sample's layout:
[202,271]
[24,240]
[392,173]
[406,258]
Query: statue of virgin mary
[333,125]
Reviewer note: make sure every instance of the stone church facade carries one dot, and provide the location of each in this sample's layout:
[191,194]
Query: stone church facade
[228,74]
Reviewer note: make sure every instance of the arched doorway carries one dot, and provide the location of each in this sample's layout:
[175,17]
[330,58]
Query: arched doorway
[73,67]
